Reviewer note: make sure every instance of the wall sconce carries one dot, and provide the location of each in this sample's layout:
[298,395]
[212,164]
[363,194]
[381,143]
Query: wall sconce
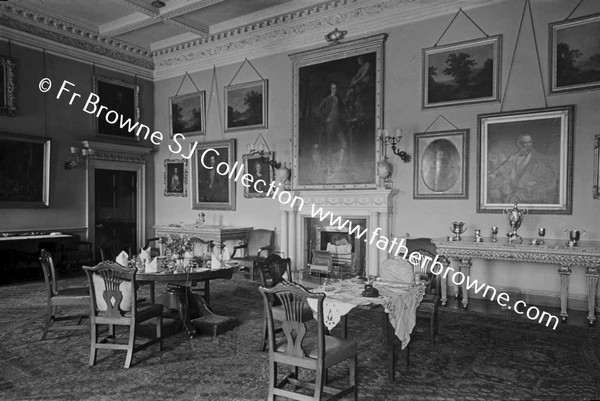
[335,36]
[262,150]
[394,140]
[79,155]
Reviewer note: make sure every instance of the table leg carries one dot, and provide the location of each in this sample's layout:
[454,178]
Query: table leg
[592,280]
[565,272]
[464,266]
[344,321]
[443,283]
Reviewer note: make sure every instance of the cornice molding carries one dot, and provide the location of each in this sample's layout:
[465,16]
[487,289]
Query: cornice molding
[299,30]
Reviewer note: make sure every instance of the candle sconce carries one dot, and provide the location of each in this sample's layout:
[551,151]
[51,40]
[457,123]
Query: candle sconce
[263,150]
[79,155]
[394,141]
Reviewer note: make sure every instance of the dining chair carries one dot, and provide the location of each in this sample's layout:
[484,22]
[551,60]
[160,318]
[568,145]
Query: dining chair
[258,247]
[113,302]
[272,271]
[301,348]
[56,296]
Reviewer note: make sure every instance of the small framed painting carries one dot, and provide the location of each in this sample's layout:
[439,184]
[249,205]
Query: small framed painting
[526,157]
[121,100]
[24,171]
[462,73]
[441,165]
[246,106]
[176,177]
[212,190]
[575,54]
[262,174]
[188,114]
[7,87]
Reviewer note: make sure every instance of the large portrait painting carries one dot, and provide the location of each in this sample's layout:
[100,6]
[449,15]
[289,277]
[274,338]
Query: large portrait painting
[7,87]
[246,106]
[462,73]
[121,97]
[262,173]
[188,114]
[337,111]
[24,171]
[575,54]
[526,157]
[441,164]
[176,177]
[212,190]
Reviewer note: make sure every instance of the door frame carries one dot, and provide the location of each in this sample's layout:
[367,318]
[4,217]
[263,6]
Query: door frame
[109,156]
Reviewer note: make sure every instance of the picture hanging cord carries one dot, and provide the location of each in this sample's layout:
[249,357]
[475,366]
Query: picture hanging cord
[437,118]
[576,7]
[260,135]
[213,84]
[183,79]
[460,10]
[238,71]
[537,54]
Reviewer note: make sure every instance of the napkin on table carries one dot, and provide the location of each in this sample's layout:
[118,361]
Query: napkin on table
[152,267]
[122,259]
[226,256]
[145,255]
[215,264]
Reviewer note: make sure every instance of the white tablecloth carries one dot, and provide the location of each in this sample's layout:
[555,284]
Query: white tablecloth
[399,300]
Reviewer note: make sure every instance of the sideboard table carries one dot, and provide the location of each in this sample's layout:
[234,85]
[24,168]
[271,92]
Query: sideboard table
[217,234]
[585,254]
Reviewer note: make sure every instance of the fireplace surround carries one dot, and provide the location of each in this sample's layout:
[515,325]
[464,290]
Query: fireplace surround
[374,206]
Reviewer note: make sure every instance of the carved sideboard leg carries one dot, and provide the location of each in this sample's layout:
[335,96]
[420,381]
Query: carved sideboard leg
[565,273]
[592,281]
[444,287]
[464,266]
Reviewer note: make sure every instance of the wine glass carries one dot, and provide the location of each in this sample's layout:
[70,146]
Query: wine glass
[542,234]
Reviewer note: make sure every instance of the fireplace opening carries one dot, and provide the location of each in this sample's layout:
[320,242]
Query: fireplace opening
[348,253]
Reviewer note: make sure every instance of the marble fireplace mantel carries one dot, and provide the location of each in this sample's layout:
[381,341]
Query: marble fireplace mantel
[376,205]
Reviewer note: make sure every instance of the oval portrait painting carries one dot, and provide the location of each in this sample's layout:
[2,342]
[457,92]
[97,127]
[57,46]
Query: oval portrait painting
[440,165]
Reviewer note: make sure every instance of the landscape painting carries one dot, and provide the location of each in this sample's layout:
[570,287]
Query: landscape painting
[575,54]
[462,73]
[246,106]
[188,114]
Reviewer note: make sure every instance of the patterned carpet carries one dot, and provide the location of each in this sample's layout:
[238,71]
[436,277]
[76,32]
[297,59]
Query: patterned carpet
[475,358]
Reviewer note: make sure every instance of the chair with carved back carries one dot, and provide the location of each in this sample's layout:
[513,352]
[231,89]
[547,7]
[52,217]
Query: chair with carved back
[113,302]
[273,271]
[301,347]
[258,247]
[56,297]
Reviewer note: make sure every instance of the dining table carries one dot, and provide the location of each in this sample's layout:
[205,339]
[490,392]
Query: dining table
[179,295]
[398,301]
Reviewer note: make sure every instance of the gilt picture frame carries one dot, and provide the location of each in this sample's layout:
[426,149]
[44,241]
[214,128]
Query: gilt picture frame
[262,173]
[337,111]
[441,165]
[574,54]
[122,98]
[462,73]
[24,171]
[526,157]
[7,87]
[246,106]
[596,187]
[211,190]
[187,114]
[176,177]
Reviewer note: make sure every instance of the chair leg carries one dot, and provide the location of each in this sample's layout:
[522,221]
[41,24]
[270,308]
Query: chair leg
[354,375]
[93,340]
[272,380]
[130,346]
[159,320]
[49,318]
[263,344]
[320,378]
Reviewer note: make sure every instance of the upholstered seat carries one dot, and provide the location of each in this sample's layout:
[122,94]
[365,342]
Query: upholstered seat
[259,246]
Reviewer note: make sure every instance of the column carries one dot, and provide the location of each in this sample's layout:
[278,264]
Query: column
[292,237]
[385,231]
[464,266]
[373,262]
[591,275]
[565,272]
[283,238]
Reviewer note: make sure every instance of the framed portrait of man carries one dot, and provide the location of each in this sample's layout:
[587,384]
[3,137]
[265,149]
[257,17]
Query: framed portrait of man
[338,104]
[262,174]
[526,157]
[212,190]
[122,98]
[176,177]
[7,87]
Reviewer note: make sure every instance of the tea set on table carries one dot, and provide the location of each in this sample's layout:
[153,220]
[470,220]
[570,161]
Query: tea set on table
[515,218]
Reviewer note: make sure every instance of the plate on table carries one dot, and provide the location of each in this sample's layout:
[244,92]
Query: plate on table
[232,264]
[359,280]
